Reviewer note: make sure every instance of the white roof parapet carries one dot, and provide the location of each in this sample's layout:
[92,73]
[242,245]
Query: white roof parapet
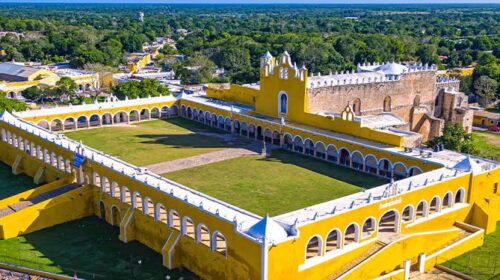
[95,106]
[374,195]
[348,79]
[194,198]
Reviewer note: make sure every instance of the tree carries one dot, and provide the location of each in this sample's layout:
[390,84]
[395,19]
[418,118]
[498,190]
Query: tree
[466,84]
[454,138]
[427,53]
[130,89]
[32,93]
[67,86]
[485,88]
[142,89]
[8,104]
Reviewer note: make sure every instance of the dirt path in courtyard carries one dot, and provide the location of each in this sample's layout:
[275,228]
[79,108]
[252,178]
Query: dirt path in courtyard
[239,147]
[198,160]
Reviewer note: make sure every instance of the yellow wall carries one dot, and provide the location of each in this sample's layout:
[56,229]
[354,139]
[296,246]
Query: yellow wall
[100,112]
[478,120]
[236,93]
[70,206]
[136,66]
[408,247]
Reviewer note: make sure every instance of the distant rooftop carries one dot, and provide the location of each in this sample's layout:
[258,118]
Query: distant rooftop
[8,71]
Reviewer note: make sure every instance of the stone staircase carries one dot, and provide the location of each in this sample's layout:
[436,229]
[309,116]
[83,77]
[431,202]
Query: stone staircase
[370,252]
[40,198]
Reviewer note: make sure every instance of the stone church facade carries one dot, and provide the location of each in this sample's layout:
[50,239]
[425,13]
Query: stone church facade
[413,93]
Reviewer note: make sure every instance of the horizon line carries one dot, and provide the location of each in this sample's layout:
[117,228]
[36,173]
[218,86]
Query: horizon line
[260,2]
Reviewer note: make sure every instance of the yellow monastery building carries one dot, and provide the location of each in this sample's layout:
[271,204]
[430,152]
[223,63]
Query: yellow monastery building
[437,206]
[15,78]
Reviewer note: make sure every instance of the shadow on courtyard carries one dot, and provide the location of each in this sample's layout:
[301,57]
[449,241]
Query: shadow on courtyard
[202,136]
[185,140]
[90,248]
[331,170]
[11,184]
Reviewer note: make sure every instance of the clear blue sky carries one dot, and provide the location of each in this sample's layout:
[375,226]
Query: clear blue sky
[263,1]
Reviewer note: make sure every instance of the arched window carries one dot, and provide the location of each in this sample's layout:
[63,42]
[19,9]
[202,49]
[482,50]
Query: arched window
[414,170]
[389,222]
[115,216]
[203,235]
[421,210]
[126,197]
[368,227]
[175,220]
[387,104]
[219,243]
[434,207]
[115,190]
[399,171]
[351,234]
[96,179]
[283,103]
[459,197]
[447,200]
[356,106]
[161,213]
[137,201]
[344,157]
[357,160]
[333,241]
[148,207]
[408,213]
[188,227]
[313,248]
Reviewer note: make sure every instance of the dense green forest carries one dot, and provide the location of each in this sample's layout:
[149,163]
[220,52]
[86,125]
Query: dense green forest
[323,37]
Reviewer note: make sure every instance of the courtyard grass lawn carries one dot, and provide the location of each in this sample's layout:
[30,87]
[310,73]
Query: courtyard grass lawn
[91,248]
[152,141]
[488,144]
[483,262]
[11,184]
[276,185]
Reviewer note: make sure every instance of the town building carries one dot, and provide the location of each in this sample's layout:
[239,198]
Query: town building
[137,61]
[15,78]
[486,119]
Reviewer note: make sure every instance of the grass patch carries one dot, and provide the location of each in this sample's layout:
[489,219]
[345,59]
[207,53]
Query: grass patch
[483,262]
[89,247]
[11,184]
[151,142]
[487,144]
[276,185]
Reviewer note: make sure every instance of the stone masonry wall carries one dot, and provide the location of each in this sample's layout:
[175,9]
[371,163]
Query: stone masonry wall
[402,93]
